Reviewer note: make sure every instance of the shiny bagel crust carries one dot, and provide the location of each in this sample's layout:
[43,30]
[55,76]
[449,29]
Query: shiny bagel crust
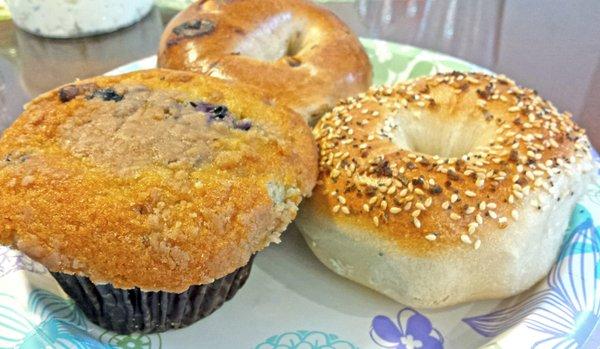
[157,226]
[480,215]
[298,53]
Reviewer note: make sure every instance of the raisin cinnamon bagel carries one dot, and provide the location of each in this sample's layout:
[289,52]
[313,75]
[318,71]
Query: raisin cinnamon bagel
[157,180]
[445,189]
[297,52]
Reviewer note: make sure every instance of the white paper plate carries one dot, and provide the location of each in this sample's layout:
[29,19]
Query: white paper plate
[291,301]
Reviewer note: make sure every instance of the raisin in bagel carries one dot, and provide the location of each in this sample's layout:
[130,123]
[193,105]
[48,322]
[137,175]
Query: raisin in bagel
[298,53]
[445,189]
[156,179]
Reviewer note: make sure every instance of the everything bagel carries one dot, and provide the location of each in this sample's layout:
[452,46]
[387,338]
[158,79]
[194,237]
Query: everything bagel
[298,53]
[445,189]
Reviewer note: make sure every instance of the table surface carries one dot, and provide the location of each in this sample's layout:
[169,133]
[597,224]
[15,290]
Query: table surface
[554,48]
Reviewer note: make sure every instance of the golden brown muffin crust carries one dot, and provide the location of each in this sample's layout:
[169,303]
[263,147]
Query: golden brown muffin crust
[298,53]
[513,142]
[92,186]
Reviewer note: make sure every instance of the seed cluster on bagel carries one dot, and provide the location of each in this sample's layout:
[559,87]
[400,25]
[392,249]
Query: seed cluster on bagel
[434,165]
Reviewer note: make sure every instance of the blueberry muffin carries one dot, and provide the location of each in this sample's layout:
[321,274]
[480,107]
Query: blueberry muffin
[147,194]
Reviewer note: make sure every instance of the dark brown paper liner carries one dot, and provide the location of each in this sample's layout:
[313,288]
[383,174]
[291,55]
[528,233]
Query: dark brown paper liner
[128,311]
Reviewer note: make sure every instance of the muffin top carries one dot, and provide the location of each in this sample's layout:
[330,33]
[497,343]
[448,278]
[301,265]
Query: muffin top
[155,179]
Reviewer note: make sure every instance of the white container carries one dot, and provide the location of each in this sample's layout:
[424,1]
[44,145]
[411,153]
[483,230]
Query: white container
[76,18]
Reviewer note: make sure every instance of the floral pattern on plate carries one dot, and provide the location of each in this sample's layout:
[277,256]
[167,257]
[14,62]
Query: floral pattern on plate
[133,341]
[50,322]
[11,260]
[401,62]
[411,330]
[565,313]
[305,340]
[55,322]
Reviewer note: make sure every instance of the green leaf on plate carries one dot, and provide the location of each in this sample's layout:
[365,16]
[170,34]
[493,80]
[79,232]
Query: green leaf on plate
[455,65]
[420,69]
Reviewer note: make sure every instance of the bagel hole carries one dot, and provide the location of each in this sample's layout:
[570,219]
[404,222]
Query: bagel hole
[279,37]
[295,44]
[433,134]
[294,47]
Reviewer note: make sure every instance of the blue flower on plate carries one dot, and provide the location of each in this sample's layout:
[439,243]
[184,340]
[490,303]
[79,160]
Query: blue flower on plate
[11,260]
[47,305]
[565,313]
[411,330]
[305,340]
[53,333]
[50,322]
